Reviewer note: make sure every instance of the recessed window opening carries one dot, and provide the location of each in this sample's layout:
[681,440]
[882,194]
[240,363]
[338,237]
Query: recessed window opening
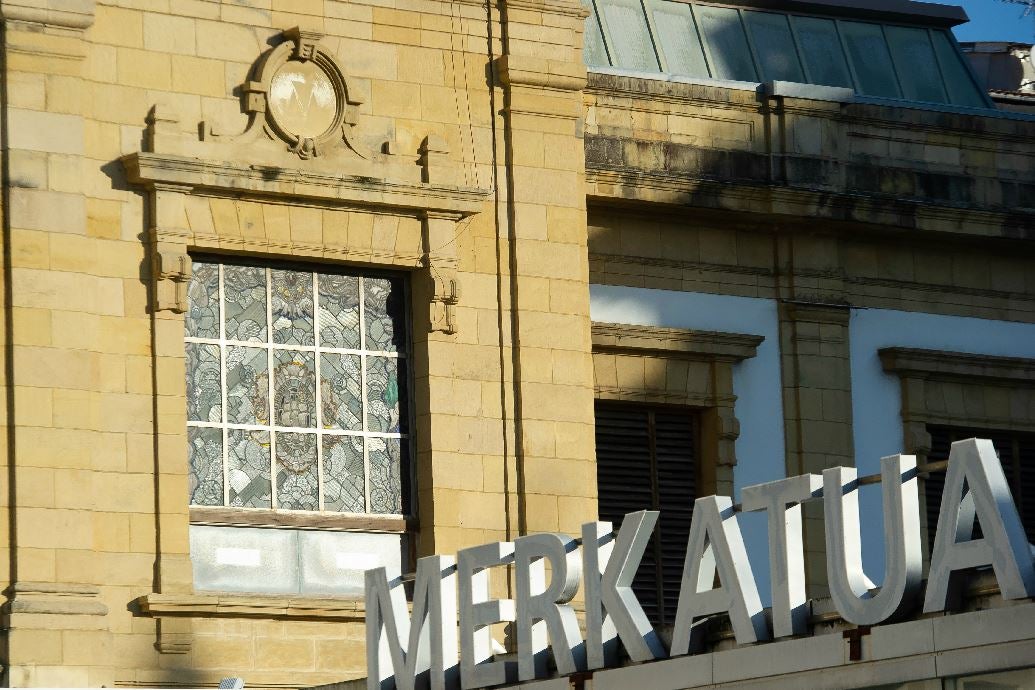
[296,389]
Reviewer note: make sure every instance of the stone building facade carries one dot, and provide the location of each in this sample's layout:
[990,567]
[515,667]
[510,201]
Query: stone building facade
[773,258]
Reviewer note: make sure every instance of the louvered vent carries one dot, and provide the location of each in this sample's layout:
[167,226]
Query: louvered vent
[646,460]
[1016,452]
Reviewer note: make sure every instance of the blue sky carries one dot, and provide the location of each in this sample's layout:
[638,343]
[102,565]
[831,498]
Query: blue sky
[993,20]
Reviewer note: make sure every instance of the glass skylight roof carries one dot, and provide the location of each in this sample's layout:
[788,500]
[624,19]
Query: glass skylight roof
[698,40]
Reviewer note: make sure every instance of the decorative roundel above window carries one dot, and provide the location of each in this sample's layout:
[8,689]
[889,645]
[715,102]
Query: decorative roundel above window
[304,95]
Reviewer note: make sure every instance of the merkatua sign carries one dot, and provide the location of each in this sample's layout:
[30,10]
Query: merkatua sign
[421,651]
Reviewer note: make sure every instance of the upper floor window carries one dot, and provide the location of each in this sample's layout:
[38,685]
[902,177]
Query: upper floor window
[296,395]
[647,460]
[693,39]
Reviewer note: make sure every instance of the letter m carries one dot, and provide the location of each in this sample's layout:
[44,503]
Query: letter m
[429,659]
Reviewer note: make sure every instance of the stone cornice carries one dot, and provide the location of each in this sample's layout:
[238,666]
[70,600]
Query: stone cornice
[68,14]
[674,342]
[242,180]
[611,184]
[548,74]
[939,364]
[274,607]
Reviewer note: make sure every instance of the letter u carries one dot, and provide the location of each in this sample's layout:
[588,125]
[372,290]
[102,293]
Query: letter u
[849,586]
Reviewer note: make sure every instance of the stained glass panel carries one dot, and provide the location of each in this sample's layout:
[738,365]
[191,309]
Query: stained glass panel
[202,317]
[294,388]
[297,485]
[204,395]
[384,455]
[291,304]
[383,314]
[247,385]
[205,457]
[248,468]
[343,474]
[384,390]
[356,386]
[244,290]
[339,311]
[341,391]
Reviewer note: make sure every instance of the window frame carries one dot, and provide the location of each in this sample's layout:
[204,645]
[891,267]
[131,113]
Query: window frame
[276,517]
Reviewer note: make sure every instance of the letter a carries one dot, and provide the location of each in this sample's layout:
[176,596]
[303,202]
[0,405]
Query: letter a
[716,545]
[1004,545]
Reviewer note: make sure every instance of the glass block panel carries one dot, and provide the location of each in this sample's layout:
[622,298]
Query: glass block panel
[917,67]
[341,391]
[205,458]
[958,80]
[294,388]
[247,385]
[593,52]
[204,396]
[297,484]
[383,307]
[868,53]
[677,37]
[384,390]
[334,562]
[202,317]
[821,49]
[774,46]
[385,458]
[291,305]
[248,468]
[244,290]
[339,311]
[343,474]
[628,38]
[728,51]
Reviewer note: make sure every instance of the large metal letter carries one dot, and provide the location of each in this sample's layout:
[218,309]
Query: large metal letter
[1004,545]
[849,586]
[782,502]
[612,610]
[478,612]
[716,545]
[429,659]
[545,610]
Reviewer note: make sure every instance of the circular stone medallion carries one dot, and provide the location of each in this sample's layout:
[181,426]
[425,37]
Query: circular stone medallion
[302,99]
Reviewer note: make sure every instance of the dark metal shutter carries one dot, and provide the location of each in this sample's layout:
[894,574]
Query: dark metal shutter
[1016,452]
[646,460]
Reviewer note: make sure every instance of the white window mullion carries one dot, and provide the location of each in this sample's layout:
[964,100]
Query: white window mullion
[363,392]
[225,459]
[270,411]
[319,408]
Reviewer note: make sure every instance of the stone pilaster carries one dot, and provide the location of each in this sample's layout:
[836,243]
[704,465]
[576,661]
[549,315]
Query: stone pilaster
[53,620]
[552,463]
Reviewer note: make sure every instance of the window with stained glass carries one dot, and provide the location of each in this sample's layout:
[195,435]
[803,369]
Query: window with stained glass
[296,395]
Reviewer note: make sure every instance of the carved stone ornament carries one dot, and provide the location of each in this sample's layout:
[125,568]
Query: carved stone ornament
[300,95]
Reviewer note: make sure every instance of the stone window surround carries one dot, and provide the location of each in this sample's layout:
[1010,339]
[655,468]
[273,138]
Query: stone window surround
[702,362]
[925,375]
[180,174]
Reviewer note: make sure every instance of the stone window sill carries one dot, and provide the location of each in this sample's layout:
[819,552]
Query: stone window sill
[272,607]
[319,521]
